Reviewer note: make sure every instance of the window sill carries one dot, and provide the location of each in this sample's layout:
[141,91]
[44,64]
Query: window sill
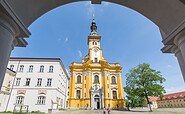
[38,86]
[47,86]
[29,72]
[26,85]
[40,104]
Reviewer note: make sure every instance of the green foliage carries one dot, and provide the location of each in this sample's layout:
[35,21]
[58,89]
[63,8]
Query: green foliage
[143,81]
[37,112]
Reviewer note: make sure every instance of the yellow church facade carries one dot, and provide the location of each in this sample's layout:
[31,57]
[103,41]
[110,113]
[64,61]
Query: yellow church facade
[95,83]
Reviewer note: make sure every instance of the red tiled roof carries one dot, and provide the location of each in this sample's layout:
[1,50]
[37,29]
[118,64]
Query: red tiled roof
[174,95]
[151,98]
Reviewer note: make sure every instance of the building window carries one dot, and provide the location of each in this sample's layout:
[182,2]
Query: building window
[113,80]
[28,81]
[30,68]
[84,94]
[78,94]
[18,80]
[108,95]
[96,79]
[19,100]
[51,68]
[21,68]
[39,81]
[42,68]
[85,85]
[49,82]
[78,79]
[11,67]
[114,95]
[41,100]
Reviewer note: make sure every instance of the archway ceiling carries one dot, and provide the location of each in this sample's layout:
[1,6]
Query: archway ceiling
[166,14]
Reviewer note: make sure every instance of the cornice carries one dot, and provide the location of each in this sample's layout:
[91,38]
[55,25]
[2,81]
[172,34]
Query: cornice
[24,32]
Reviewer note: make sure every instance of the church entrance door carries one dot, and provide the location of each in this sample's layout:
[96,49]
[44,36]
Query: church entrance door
[98,105]
[96,102]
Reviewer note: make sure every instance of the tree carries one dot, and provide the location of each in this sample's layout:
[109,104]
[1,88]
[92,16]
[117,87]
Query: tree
[143,81]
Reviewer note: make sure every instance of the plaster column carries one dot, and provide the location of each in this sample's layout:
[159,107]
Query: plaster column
[180,50]
[180,59]
[92,100]
[8,31]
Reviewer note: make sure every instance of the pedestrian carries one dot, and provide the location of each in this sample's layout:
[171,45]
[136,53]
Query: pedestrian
[108,110]
[104,109]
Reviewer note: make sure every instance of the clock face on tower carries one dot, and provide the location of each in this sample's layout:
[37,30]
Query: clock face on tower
[96,50]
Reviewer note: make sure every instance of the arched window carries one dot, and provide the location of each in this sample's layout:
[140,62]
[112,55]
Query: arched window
[41,100]
[114,95]
[78,94]
[50,68]
[42,68]
[95,43]
[113,80]
[19,100]
[96,79]
[79,79]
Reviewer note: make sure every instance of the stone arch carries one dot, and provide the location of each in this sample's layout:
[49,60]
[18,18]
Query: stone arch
[158,11]
[17,15]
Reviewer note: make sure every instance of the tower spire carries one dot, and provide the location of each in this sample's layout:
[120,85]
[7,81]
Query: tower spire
[93,28]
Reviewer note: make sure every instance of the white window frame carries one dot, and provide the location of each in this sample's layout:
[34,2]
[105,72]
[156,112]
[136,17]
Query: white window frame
[28,80]
[30,68]
[41,100]
[19,100]
[49,81]
[39,81]
[18,81]
[51,68]
[21,68]
[41,68]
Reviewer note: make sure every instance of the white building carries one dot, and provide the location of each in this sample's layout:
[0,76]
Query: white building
[41,84]
[6,89]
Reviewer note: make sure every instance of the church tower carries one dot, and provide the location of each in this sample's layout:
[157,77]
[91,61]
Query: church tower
[95,83]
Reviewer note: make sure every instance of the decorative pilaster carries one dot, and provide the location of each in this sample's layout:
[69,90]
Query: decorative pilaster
[179,50]
[180,59]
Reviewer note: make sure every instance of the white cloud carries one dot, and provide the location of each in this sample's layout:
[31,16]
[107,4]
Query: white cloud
[79,53]
[169,66]
[175,89]
[90,8]
[59,39]
[66,40]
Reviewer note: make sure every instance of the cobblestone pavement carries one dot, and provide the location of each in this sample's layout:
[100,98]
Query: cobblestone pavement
[133,111]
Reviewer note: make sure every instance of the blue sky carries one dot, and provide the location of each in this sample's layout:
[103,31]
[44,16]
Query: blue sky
[127,37]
